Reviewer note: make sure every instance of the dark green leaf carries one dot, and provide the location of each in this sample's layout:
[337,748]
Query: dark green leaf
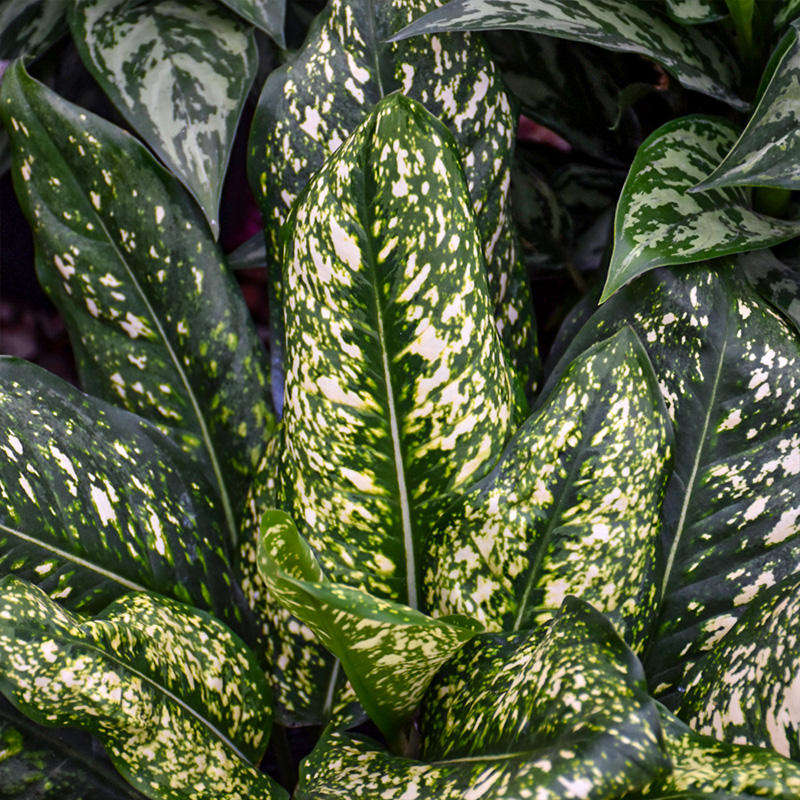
[177,700]
[252,254]
[695,57]
[28,27]
[658,223]
[180,73]
[694,12]
[571,507]
[265,14]
[157,322]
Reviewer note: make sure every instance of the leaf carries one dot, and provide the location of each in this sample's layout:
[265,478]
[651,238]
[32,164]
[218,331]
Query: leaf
[571,508]
[157,322]
[776,282]
[265,14]
[252,254]
[744,689]
[766,153]
[696,58]
[95,502]
[390,652]
[556,712]
[728,368]
[46,764]
[183,714]
[695,12]
[785,13]
[659,224]
[310,106]
[180,73]
[29,27]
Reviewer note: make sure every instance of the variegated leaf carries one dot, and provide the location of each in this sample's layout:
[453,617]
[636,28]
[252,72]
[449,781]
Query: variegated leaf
[704,768]
[265,14]
[776,282]
[389,651]
[766,154]
[729,370]
[695,12]
[572,507]
[180,73]
[157,322]
[786,11]
[38,763]
[658,223]
[557,712]
[28,27]
[745,690]
[176,699]
[695,57]
[95,502]
[310,106]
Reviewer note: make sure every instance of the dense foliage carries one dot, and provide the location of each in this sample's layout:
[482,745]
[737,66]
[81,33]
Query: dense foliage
[466,554]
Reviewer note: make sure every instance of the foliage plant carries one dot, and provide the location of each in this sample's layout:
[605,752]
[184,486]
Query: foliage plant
[417,544]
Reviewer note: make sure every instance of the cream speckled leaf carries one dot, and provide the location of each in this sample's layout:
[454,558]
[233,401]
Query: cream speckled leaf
[176,699]
[745,689]
[766,154]
[180,73]
[310,106]
[265,14]
[27,27]
[694,12]
[157,322]
[659,223]
[390,652]
[695,57]
[580,483]
[95,502]
[729,369]
[557,712]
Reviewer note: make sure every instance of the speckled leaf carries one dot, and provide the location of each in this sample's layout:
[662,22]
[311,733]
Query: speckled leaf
[27,27]
[157,322]
[180,73]
[571,488]
[390,652]
[95,502]
[38,763]
[745,689]
[729,369]
[310,106]
[694,12]
[704,768]
[265,14]
[776,282]
[695,57]
[658,223]
[768,152]
[557,712]
[176,699]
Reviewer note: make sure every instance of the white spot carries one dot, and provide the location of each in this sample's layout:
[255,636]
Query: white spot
[756,509]
[103,505]
[134,326]
[92,306]
[15,443]
[95,199]
[159,214]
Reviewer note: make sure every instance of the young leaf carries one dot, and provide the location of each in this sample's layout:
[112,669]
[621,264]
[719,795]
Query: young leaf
[180,73]
[265,14]
[766,154]
[695,57]
[96,502]
[658,223]
[310,106]
[28,27]
[695,12]
[177,700]
[570,489]
[389,652]
[157,322]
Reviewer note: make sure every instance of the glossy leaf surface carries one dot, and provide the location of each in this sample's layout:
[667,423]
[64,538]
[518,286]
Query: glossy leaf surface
[265,14]
[157,323]
[390,652]
[27,27]
[695,57]
[571,489]
[728,367]
[180,73]
[176,699]
[95,502]
[659,223]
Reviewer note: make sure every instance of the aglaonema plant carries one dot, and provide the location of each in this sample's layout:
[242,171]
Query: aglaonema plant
[475,581]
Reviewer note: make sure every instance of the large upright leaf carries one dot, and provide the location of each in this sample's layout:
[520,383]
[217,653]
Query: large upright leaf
[176,699]
[180,73]
[95,502]
[310,106]
[695,57]
[27,27]
[571,507]
[766,154]
[729,370]
[659,223]
[158,324]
